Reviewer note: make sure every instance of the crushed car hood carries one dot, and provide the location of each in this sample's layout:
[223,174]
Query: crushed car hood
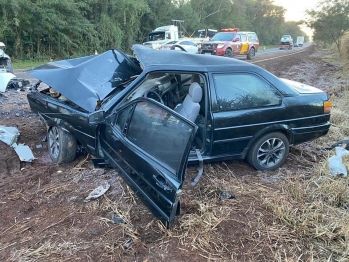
[301,88]
[86,80]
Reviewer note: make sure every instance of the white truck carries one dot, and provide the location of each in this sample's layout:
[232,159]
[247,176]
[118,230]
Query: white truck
[7,77]
[164,34]
[300,40]
[5,60]
[6,69]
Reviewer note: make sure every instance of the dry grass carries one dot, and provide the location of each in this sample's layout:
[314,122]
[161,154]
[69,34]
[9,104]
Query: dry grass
[317,207]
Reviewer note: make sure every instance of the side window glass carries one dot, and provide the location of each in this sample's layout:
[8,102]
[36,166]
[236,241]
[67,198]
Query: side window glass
[122,117]
[159,133]
[252,37]
[243,91]
[243,38]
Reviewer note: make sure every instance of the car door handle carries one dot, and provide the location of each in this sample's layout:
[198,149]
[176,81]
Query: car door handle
[161,182]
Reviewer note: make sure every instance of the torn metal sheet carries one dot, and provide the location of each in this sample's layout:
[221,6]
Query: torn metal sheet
[9,135]
[24,152]
[5,78]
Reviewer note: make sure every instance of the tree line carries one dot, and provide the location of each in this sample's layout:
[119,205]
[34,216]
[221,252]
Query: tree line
[56,29]
[329,21]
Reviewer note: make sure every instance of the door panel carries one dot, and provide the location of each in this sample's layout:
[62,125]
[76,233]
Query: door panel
[150,147]
[246,104]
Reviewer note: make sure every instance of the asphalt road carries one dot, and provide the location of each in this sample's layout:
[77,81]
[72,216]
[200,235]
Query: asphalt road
[20,73]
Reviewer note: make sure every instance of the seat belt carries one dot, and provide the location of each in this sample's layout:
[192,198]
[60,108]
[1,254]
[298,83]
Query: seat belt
[201,168]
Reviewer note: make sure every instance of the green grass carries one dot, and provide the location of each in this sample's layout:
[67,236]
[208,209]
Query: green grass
[26,64]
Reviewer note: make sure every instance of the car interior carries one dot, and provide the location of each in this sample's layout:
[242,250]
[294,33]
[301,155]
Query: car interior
[183,93]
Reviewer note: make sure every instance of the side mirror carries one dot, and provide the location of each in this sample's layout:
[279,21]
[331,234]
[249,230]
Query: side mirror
[237,39]
[96,117]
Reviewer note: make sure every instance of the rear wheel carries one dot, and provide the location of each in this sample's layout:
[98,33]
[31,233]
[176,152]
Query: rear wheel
[228,53]
[61,145]
[251,54]
[269,151]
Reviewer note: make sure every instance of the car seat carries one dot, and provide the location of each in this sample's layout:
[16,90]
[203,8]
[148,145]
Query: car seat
[190,107]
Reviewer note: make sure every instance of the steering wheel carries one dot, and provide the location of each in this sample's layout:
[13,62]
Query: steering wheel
[156,94]
[180,47]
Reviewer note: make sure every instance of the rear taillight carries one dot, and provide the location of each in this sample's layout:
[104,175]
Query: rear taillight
[327,107]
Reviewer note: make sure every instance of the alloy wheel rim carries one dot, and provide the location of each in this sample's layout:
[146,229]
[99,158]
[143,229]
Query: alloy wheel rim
[271,152]
[252,52]
[54,142]
[228,53]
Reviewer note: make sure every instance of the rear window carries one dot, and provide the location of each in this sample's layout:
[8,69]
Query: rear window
[252,37]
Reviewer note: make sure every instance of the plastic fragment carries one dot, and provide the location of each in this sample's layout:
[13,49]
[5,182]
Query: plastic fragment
[99,191]
[24,152]
[335,162]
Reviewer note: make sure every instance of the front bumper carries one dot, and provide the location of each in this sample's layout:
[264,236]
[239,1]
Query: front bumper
[219,52]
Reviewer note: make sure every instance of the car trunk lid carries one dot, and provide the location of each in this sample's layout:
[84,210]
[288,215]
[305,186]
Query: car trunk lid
[301,88]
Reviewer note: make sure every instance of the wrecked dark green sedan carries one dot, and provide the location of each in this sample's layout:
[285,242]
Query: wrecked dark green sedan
[150,114]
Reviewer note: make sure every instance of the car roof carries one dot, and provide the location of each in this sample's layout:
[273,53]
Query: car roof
[150,58]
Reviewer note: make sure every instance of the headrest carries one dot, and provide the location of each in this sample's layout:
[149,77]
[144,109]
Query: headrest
[195,78]
[195,92]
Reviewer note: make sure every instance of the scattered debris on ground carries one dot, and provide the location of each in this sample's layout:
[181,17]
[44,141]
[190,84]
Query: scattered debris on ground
[9,135]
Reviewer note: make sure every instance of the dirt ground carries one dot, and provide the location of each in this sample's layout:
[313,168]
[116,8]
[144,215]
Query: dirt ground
[44,215]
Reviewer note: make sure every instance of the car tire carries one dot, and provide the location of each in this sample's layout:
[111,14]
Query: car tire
[61,145]
[251,54]
[269,151]
[228,53]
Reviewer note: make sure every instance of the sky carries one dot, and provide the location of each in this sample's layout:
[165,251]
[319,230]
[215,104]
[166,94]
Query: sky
[295,10]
